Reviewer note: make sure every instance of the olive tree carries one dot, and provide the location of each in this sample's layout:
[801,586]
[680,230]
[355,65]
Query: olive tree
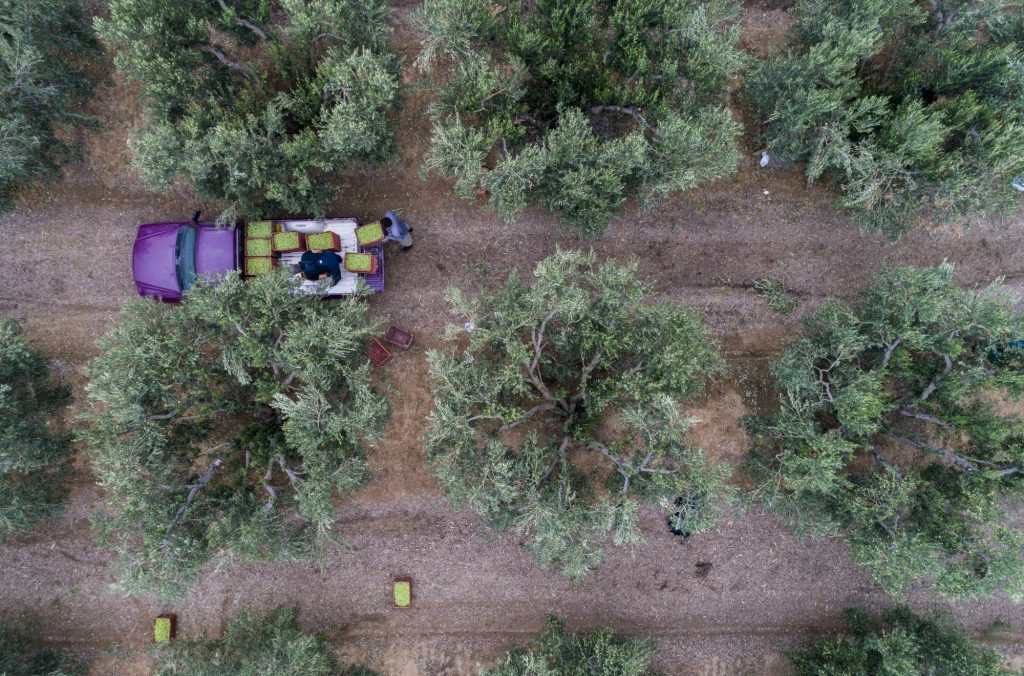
[23,654]
[577,105]
[257,104]
[44,49]
[898,429]
[32,454]
[914,111]
[566,653]
[562,415]
[272,644]
[224,427]
[904,644]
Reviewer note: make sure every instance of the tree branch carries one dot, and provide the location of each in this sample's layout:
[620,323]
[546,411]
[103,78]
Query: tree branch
[194,489]
[588,368]
[566,440]
[533,372]
[243,22]
[952,456]
[292,476]
[889,348]
[253,27]
[828,388]
[924,416]
[267,508]
[219,55]
[934,384]
[539,408]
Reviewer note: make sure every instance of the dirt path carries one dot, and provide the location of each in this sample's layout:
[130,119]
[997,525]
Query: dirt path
[65,268]
[476,595]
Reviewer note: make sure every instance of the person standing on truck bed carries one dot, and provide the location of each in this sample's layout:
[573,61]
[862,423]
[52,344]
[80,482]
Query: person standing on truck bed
[397,229]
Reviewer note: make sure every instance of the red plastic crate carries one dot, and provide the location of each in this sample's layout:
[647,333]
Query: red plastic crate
[398,337]
[378,354]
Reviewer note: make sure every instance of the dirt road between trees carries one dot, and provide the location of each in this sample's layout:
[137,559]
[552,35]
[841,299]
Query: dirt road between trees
[727,602]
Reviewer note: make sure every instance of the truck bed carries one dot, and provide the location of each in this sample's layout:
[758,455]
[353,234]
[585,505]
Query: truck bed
[345,228]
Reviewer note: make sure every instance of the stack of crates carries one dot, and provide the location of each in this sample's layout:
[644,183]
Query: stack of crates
[259,258]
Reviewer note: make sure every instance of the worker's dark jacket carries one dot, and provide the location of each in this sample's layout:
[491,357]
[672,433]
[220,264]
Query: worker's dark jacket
[315,264]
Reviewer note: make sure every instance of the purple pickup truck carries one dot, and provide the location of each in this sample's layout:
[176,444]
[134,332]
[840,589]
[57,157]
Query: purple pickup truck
[168,257]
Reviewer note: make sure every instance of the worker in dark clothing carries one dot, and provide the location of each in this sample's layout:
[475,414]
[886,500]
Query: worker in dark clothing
[316,264]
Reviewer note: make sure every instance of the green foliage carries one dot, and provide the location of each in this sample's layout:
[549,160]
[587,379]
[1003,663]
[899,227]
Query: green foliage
[23,655]
[906,644]
[42,85]
[561,417]
[560,652]
[576,106]
[894,431]
[915,112]
[32,455]
[274,644]
[775,295]
[257,107]
[225,426]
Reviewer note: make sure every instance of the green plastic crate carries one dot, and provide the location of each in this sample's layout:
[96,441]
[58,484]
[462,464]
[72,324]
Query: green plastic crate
[370,234]
[288,241]
[259,229]
[163,629]
[403,593]
[257,247]
[258,265]
[321,241]
[360,262]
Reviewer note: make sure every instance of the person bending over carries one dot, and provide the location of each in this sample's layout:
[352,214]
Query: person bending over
[318,264]
[397,229]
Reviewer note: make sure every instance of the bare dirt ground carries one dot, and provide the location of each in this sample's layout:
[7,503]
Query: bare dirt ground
[727,602]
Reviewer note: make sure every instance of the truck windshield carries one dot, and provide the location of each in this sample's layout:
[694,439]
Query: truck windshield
[185,256]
